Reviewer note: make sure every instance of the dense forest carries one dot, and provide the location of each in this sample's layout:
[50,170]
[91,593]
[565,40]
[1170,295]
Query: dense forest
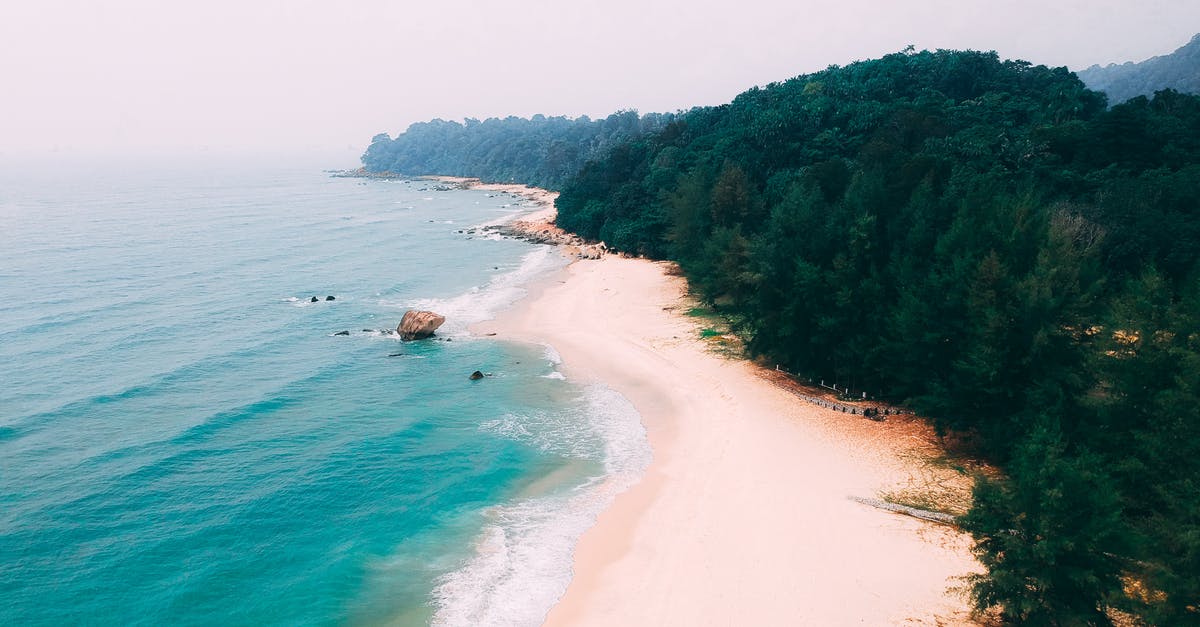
[989,243]
[542,151]
[1179,70]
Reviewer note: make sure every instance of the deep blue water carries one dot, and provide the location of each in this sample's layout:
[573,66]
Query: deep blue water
[183,440]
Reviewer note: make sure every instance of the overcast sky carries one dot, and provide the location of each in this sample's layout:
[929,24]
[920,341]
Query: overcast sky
[122,77]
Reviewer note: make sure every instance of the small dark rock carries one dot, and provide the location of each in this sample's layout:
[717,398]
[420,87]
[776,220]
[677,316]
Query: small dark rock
[342,333]
[368,330]
[330,298]
[395,354]
[475,376]
[313,300]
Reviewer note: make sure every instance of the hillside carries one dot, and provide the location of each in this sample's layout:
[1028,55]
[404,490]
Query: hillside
[1179,70]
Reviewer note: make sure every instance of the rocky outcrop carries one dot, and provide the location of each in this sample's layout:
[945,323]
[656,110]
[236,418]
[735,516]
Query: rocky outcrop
[594,251]
[536,233]
[418,325]
[546,233]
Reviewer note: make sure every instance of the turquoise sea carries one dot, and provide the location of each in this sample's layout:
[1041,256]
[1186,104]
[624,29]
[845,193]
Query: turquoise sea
[184,440]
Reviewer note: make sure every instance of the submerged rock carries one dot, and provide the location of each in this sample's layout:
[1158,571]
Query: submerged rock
[342,333]
[330,298]
[475,376]
[417,325]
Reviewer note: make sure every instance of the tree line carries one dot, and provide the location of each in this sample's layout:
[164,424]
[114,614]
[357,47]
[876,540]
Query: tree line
[540,151]
[987,242]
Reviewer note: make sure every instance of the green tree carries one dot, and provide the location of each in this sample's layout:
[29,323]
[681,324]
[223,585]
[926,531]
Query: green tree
[1147,419]
[1049,536]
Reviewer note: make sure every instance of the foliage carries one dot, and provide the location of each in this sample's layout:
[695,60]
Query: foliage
[542,151]
[1046,537]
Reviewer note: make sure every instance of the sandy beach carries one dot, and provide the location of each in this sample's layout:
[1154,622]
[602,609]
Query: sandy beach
[745,515]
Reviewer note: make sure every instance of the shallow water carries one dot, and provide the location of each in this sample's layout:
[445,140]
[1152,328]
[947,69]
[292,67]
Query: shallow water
[184,440]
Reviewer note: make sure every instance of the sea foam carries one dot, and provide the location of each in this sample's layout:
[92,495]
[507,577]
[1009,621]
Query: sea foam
[523,559]
[483,302]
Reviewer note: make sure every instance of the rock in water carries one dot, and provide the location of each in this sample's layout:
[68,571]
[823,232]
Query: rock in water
[330,298]
[417,325]
[314,299]
[477,375]
[342,333]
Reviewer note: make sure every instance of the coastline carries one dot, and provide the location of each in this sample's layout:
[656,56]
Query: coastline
[745,514]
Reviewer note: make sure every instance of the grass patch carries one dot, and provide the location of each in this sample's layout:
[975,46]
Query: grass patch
[715,329]
[937,482]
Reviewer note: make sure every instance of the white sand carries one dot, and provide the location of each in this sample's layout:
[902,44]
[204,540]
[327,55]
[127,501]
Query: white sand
[743,517]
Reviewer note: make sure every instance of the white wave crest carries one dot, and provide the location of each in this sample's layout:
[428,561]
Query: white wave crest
[483,302]
[508,213]
[522,564]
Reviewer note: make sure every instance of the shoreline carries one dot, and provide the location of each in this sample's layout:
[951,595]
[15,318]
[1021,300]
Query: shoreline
[751,511]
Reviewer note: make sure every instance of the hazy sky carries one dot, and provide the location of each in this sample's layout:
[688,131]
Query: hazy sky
[121,77]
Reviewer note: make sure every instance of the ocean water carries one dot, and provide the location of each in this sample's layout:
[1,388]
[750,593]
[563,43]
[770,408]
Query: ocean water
[184,440]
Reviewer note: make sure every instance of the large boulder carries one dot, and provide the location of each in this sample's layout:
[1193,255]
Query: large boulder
[418,325]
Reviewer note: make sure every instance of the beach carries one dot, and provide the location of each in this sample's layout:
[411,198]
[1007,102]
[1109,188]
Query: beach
[745,515]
